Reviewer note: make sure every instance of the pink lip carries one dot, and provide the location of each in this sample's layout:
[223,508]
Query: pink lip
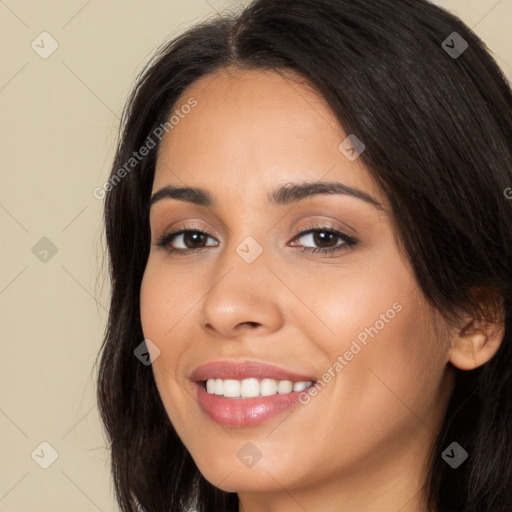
[245,370]
[244,412]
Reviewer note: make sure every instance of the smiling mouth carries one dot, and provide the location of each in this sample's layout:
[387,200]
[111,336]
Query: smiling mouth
[253,387]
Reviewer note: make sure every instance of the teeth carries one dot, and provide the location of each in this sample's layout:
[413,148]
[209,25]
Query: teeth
[285,386]
[268,387]
[300,386]
[249,388]
[210,386]
[219,387]
[232,388]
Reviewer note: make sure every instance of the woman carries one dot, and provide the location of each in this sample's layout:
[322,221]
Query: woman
[310,251]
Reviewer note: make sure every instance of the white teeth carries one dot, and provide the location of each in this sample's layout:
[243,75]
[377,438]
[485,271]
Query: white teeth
[219,387]
[249,388]
[285,386]
[210,386]
[252,387]
[300,386]
[268,387]
[232,388]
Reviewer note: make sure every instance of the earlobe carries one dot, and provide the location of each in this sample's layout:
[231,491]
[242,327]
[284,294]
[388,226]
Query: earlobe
[476,343]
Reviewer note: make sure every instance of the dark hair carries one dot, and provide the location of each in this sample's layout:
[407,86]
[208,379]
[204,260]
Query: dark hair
[437,131]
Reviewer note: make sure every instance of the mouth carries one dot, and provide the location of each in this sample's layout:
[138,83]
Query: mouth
[247,393]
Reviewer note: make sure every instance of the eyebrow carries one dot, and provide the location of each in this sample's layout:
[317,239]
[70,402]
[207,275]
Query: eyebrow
[284,195]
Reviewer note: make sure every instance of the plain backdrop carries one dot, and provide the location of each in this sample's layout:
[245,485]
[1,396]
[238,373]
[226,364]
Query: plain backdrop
[58,127]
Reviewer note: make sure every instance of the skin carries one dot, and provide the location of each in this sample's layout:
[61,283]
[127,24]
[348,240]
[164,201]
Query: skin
[363,442]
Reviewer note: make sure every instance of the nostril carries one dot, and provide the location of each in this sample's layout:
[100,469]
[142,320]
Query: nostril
[248,324]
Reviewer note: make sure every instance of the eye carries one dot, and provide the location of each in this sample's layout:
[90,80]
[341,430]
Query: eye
[187,240]
[328,240]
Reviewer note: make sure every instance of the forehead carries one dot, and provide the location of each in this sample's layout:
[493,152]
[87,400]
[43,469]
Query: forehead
[254,128]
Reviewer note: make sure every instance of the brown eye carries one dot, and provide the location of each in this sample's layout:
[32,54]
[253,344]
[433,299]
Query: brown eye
[187,240]
[326,239]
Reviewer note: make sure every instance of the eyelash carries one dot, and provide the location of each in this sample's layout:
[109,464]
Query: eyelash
[349,241]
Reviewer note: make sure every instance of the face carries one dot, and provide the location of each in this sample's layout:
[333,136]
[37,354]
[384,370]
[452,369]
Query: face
[311,283]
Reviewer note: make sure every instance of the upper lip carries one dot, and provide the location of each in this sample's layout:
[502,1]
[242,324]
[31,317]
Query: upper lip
[244,370]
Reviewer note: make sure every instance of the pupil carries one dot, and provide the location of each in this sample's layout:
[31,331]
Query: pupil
[193,237]
[321,236]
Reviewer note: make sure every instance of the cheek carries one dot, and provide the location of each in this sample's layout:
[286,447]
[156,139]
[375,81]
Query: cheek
[162,305]
[162,301]
[358,302]
[392,382]
[379,342]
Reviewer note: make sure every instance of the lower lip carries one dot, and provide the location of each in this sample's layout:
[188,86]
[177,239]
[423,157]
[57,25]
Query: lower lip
[244,412]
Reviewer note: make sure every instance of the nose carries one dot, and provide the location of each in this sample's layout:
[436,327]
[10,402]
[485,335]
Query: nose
[242,300]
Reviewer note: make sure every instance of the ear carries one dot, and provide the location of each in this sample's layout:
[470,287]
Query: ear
[479,336]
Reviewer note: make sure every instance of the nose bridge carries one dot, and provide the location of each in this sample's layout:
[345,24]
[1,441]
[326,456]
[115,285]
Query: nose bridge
[240,292]
[247,246]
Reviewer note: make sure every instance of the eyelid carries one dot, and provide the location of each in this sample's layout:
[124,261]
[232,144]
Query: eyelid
[189,225]
[302,229]
[174,233]
[326,225]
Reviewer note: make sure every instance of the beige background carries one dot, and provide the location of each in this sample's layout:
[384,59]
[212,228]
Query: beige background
[59,119]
